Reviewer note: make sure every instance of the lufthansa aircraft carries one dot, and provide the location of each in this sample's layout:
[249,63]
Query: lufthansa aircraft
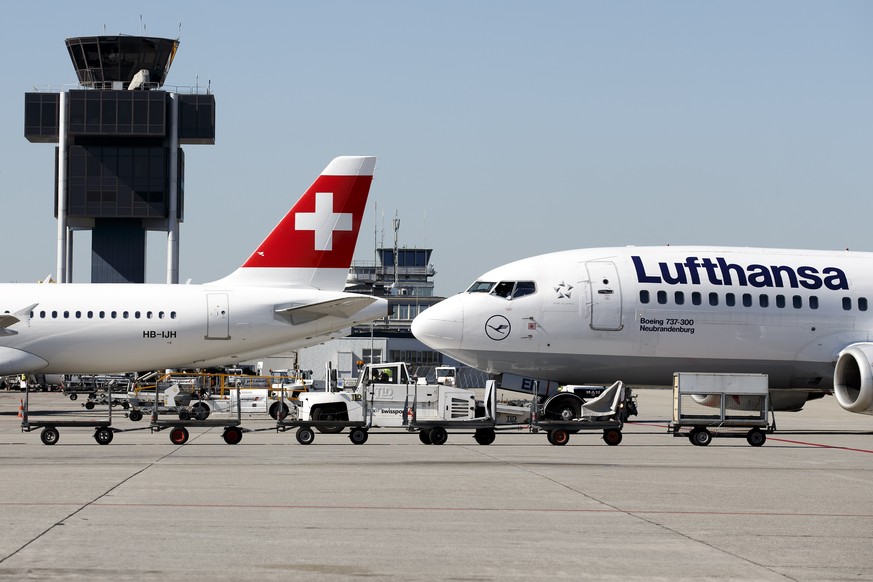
[639,314]
[287,294]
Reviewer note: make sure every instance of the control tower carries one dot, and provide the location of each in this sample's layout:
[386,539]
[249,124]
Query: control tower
[119,167]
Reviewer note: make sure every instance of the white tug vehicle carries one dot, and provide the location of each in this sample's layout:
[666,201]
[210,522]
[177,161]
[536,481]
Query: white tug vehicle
[387,396]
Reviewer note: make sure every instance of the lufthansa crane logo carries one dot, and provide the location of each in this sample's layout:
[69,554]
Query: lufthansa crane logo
[497,327]
[324,221]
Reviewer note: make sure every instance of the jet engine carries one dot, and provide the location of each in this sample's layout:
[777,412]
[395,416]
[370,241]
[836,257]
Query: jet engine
[780,400]
[853,378]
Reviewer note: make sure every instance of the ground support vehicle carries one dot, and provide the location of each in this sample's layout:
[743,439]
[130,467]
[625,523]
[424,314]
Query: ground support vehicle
[93,385]
[562,414]
[383,397]
[232,434]
[102,425]
[197,396]
[721,405]
[434,431]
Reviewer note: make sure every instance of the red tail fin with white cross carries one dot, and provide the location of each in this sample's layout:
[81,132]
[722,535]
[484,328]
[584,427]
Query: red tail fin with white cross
[314,243]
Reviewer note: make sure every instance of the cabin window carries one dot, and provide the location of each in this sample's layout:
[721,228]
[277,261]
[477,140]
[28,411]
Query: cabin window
[54,314]
[42,314]
[136,314]
[148,314]
[644,296]
[102,315]
[90,315]
[696,299]
[172,315]
[713,299]
[662,297]
[813,302]
[679,298]
[780,301]
[113,315]
[847,303]
[125,314]
[764,300]
[797,301]
[747,299]
[78,315]
[66,315]
[730,299]
[862,304]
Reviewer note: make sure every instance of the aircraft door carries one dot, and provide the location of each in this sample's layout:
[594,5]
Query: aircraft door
[217,317]
[605,295]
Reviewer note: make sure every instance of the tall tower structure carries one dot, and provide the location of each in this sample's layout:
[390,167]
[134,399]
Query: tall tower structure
[119,167]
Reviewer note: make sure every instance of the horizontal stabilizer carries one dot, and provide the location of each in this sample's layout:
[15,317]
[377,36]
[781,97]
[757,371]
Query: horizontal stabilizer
[345,308]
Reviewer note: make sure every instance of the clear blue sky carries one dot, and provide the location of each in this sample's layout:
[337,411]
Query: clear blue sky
[503,129]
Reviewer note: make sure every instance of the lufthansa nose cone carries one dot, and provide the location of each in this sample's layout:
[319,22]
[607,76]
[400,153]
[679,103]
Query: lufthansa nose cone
[440,327]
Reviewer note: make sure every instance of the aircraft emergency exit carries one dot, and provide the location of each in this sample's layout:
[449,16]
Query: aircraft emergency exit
[287,294]
[641,313]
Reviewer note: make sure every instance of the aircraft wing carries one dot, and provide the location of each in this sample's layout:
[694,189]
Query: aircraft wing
[345,307]
[7,319]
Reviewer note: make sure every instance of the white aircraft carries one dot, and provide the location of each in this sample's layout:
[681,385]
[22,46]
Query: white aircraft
[640,314]
[287,294]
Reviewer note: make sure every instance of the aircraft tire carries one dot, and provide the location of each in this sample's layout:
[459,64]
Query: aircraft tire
[49,435]
[278,411]
[135,415]
[424,437]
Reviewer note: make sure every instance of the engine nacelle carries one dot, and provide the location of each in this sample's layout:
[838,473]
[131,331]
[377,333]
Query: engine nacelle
[780,400]
[853,378]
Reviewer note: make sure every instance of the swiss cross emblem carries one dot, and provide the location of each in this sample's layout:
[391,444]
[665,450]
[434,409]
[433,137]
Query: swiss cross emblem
[324,221]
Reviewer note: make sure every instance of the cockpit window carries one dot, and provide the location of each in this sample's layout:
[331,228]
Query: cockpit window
[480,287]
[514,289]
[504,289]
[523,288]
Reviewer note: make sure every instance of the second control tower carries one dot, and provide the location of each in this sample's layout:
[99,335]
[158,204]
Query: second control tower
[119,166]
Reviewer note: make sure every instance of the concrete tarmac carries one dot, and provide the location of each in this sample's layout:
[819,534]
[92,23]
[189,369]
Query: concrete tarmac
[653,508]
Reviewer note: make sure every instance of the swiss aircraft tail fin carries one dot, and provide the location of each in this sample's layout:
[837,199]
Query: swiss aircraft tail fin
[313,245]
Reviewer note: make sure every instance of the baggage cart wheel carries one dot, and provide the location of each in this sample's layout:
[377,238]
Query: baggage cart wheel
[184,415]
[73,396]
[484,436]
[424,437]
[179,435]
[700,437]
[200,411]
[612,436]
[49,435]
[232,435]
[756,437]
[89,405]
[103,435]
[358,436]
[438,435]
[305,435]
[278,411]
[559,437]
[135,415]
